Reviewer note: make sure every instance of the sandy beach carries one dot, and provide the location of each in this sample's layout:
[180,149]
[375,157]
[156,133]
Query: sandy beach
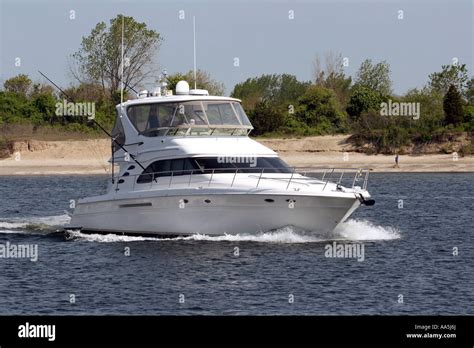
[91,156]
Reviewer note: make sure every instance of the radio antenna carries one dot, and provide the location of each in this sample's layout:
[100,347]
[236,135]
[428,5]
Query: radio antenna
[121,73]
[194,44]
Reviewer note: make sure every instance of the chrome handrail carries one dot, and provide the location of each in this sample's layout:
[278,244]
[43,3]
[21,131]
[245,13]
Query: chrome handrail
[327,180]
[290,172]
[289,181]
[187,128]
[260,177]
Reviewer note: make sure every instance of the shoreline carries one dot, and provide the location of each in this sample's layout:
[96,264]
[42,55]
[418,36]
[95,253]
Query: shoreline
[307,160]
[90,157]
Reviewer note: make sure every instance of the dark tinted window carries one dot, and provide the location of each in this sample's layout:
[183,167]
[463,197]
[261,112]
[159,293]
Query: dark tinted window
[207,165]
[248,164]
[179,166]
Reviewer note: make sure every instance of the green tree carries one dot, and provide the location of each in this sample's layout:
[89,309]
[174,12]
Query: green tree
[449,75]
[265,118]
[377,134]
[203,81]
[17,108]
[173,79]
[470,91]
[20,84]
[280,91]
[99,58]
[88,92]
[469,113]
[431,108]
[363,99]
[318,107]
[46,106]
[104,103]
[375,77]
[332,76]
[255,90]
[453,106]
[40,89]
[12,105]
[287,91]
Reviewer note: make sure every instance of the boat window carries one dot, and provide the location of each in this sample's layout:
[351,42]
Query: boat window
[164,114]
[192,113]
[241,113]
[247,164]
[221,113]
[118,133]
[152,119]
[216,165]
[178,166]
[139,116]
[150,116]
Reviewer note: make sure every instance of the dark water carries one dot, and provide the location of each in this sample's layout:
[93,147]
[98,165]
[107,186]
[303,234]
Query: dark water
[408,252]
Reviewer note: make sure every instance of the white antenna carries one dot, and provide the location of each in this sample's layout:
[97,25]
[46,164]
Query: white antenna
[121,74]
[194,42]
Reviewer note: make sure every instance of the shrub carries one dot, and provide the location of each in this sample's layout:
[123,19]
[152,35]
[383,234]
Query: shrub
[265,118]
[362,100]
[467,150]
[318,109]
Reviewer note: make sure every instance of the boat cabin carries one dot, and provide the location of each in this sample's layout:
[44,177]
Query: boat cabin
[188,113]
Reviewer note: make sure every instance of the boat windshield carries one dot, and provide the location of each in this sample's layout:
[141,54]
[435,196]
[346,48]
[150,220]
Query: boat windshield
[174,118]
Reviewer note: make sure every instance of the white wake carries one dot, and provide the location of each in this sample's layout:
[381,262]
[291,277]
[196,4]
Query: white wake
[352,230]
[365,230]
[33,224]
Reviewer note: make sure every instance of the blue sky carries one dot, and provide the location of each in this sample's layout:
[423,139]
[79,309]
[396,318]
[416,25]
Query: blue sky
[259,33]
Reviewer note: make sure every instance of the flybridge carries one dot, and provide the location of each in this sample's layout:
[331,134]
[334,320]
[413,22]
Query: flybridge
[190,112]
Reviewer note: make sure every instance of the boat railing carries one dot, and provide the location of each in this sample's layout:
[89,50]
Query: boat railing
[342,177]
[198,129]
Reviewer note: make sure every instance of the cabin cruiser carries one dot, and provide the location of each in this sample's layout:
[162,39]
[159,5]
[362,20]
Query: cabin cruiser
[187,166]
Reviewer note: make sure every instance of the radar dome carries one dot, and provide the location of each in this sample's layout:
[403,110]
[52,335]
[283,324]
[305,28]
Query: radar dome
[182,87]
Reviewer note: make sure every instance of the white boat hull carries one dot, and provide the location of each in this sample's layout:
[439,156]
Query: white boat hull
[213,214]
